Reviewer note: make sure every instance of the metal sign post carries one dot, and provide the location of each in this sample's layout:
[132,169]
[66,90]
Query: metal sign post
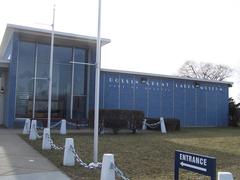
[204,165]
[97,84]
[50,72]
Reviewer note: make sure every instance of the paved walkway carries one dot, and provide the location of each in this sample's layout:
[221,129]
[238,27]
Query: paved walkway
[19,161]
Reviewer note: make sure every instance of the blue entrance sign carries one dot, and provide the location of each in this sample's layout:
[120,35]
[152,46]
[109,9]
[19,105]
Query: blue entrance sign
[201,164]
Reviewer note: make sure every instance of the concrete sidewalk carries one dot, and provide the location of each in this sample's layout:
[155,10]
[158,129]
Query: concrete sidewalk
[19,161]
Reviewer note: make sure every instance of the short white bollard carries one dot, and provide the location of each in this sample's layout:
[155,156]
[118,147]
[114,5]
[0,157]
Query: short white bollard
[46,145]
[33,130]
[63,129]
[162,125]
[107,173]
[144,127]
[225,176]
[27,125]
[69,157]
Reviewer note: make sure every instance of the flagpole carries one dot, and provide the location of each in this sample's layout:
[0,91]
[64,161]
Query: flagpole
[97,84]
[50,72]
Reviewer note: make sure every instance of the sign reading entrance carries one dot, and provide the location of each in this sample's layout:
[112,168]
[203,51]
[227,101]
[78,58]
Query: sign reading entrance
[204,165]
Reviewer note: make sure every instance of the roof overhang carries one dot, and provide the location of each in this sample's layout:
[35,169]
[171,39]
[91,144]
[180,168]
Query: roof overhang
[4,63]
[59,36]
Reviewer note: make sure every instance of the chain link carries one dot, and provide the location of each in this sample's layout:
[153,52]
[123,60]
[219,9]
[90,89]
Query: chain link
[54,146]
[40,127]
[56,124]
[82,163]
[52,126]
[75,124]
[118,172]
[35,131]
[153,125]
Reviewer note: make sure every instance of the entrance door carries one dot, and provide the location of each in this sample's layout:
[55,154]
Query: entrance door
[2,92]
[79,86]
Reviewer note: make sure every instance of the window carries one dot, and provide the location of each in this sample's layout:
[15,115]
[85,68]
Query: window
[25,74]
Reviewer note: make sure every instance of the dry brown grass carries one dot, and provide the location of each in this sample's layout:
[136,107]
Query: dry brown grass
[146,156]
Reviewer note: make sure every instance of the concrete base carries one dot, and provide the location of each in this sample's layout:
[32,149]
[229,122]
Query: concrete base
[225,176]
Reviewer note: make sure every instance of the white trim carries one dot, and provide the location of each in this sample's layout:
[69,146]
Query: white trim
[56,33]
[72,84]
[89,58]
[4,63]
[35,81]
[165,76]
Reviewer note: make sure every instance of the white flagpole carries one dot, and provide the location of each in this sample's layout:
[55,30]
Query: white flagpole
[50,72]
[97,83]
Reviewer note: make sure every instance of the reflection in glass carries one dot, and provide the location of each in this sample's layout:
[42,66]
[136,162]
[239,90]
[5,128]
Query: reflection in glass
[80,85]
[62,81]
[25,73]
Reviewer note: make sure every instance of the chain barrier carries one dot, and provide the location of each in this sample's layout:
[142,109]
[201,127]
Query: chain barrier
[82,163]
[55,125]
[118,172]
[40,128]
[153,125]
[75,124]
[54,146]
[35,131]
[52,126]
[91,165]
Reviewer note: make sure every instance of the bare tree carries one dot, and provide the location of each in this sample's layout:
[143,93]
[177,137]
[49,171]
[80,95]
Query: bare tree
[208,71]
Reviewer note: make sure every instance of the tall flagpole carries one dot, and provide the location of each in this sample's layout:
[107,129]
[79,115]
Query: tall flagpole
[97,83]
[50,72]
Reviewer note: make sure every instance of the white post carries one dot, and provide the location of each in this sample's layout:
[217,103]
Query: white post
[68,158]
[97,83]
[26,129]
[63,129]
[50,72]
[225,176]
[46,141]
[33,130]
[144,127]
[107,172]
[162,125]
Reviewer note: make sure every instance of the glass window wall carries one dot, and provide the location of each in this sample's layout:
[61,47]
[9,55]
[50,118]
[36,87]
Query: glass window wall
[69,91]
[25,74]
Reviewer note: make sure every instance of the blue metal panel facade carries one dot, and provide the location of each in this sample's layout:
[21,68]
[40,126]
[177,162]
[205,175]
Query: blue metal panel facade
[211,110]
[126,91]
[190,105]
[154,104]
[11,94]
[179,100]
[167,96]
[112,90]
[196,104]
[201,105]
[141,94]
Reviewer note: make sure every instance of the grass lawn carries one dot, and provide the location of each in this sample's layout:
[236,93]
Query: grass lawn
[150,155]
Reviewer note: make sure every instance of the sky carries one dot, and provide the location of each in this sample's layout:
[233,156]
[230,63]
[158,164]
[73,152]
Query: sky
[154,36]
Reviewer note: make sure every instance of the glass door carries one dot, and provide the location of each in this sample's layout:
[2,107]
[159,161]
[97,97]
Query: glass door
[40,89]
[79,85]
[69,88]
[61,86]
